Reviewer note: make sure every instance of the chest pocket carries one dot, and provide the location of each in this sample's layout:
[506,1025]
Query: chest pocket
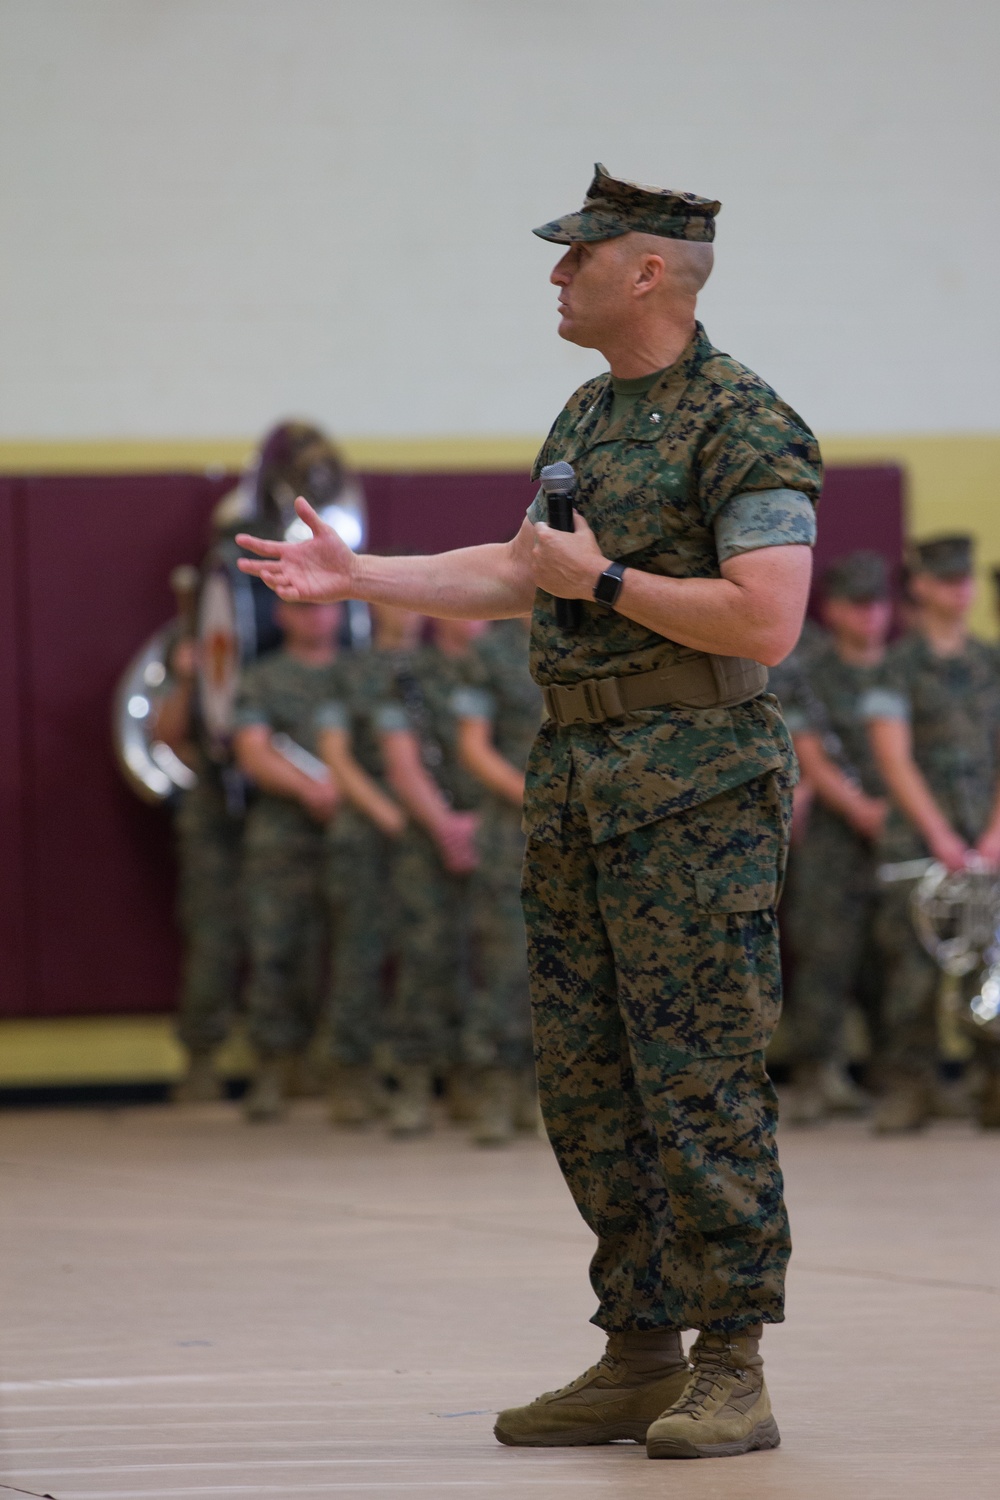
[629,528]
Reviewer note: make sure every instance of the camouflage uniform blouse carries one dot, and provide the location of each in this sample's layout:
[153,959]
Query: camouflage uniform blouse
[709,464]
[827,701]
[501,690]
[953,707]
[418,697]
[283,694]
[365,682]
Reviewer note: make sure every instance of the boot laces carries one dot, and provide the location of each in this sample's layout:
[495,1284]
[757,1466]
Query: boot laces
[605,1365]
[708,1369]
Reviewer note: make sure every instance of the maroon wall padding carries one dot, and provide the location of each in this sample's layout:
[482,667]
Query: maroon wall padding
[862,506]
[14,936]
[86,879]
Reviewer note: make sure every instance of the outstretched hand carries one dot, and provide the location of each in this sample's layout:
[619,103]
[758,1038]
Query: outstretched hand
[319,571]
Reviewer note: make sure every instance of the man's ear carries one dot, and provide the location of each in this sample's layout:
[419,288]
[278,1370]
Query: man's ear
[649,274]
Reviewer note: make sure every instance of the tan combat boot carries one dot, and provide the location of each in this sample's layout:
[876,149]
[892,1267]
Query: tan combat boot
[200,1084]
[495,1100]
[351,1095]
[805,1103]
[843,1096]
[267,1096]
[906,1105]
[615,1399]
[410,1105]
[725,1409]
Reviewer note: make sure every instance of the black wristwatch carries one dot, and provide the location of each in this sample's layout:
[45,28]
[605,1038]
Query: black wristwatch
[609,585]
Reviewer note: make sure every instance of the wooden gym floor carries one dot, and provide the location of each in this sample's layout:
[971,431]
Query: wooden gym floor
[195,1308]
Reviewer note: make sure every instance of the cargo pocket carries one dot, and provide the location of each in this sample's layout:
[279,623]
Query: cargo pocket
[734,1003]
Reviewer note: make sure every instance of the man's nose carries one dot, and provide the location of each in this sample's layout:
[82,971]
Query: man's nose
[560,272]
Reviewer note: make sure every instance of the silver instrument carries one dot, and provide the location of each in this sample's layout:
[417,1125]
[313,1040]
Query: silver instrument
[957,918]
[231,616]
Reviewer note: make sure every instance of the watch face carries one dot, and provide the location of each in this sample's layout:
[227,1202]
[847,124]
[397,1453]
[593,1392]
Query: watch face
[608,587]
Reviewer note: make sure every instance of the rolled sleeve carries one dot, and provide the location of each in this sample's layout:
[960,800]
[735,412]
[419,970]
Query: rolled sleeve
[390,718]
[884,703]
[333,716]
[764,518]
[472,703]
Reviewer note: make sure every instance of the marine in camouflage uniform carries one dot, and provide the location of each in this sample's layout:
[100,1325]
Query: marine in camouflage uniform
[952,706]
[496,1035]
[431,903]
[284,863]
[828,911]
[359,885]
[656,808]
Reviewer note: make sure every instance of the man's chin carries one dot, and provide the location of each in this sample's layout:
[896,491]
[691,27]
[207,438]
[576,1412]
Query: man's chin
[574,335]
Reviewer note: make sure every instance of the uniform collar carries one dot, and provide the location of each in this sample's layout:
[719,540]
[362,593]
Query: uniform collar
[646,419]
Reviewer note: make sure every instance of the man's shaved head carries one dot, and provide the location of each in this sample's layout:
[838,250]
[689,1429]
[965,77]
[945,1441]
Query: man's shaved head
[687,263]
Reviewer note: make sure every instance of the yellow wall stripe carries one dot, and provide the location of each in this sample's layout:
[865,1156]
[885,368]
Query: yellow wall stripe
[99,1049]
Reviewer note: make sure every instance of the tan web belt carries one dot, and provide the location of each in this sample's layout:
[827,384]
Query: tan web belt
[703,682]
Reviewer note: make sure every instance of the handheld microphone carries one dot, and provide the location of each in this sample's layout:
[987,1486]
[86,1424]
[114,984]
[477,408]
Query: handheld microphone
[558,483]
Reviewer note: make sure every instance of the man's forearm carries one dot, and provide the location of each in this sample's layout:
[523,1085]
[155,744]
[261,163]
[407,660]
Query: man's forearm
[724,615]
[833,787]
[479,583]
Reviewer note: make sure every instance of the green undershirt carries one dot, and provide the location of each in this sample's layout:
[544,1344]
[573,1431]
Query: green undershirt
[627,392]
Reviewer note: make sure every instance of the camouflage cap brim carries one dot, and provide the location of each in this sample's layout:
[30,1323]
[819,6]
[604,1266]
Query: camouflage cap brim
[614,207]
[585,225]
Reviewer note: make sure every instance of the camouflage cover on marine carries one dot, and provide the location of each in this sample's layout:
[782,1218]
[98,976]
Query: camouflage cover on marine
[614,206]
[710,464]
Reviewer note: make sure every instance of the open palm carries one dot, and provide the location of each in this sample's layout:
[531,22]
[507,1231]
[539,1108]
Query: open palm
[315,572]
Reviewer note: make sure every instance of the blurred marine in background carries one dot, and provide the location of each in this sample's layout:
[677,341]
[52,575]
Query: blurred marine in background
[829,906]
[935,721]
[499,716]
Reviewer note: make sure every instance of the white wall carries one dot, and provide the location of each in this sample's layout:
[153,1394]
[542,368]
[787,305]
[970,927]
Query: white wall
[216,212]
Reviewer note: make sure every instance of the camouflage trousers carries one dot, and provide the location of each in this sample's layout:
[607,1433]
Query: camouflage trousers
[655,986]
[828,913]
[497,1027]
[432,947]
[209,851]
[912,982]
[284,897]
[362,912]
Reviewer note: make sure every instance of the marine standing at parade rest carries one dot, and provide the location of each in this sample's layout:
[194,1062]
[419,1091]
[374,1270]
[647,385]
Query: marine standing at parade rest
[361,841]
[935,721]
[431,866]
[498,720]
[284,848]
[832,896]
[656,807]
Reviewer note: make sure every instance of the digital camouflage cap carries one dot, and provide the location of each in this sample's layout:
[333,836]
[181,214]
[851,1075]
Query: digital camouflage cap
[613,207]
[944,556]
[860,577]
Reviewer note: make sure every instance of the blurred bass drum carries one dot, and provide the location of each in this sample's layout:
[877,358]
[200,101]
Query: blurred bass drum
[235,625]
